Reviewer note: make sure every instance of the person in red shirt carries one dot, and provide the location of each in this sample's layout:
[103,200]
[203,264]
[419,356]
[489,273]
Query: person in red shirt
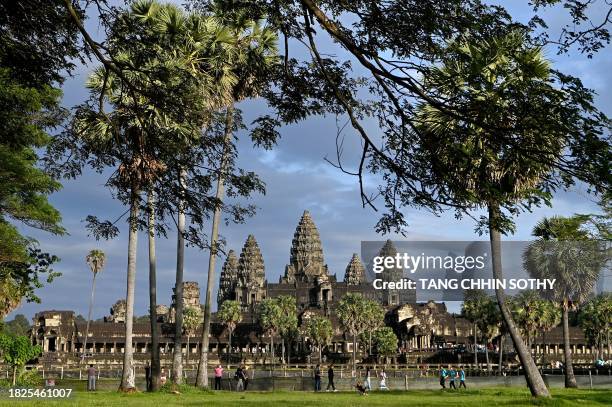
[218,377]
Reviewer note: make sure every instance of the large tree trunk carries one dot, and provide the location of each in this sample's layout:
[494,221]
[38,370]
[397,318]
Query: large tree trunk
[354,354]
[570,379]
[532,375]
[229,349]
[501,352]
[91,301]
[155,361]
[283,350]
[202,378]
[127,376]
[289,343]
[177,357]
[272,352]
[486,343]
[187,353]
[475,345]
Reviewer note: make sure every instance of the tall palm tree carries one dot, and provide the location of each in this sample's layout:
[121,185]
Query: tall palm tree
[191,321]
[208,45]
[96,259]
[254,56]
[269,317]
[500,160]
[319,330]
[473,309]
[138,135]
[565,251]
[230,314]
[351,312]
[155,358]
[289,320]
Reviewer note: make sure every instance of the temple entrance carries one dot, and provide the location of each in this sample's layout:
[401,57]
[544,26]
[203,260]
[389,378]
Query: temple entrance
[52,344]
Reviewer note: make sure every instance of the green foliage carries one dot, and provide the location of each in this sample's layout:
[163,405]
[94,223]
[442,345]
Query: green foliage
[23,268]
[567,252]
[534,314]
[595,318]
[522,118]
[385,341]
[96,259]
[39,44]
[192,318]
[17,351]
[352,311]
[18,326]
[319,330]
[288,321]
[270,316]
[230,314]
[33,57]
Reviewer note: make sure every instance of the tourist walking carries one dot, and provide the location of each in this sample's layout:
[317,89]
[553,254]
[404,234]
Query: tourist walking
[91,378]
[148,376]
[443,375]
[383,380]
[245,376]
[330,378]
[239,376]
[452,374]
[368,382]
[218,377]
[317,378]
[462,377]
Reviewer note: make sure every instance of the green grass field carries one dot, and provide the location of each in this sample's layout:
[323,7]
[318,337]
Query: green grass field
[485,397]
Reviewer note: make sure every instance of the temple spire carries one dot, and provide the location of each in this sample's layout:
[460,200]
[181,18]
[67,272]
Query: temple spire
[251,270]
[229,275]
[355,271]
[306,258]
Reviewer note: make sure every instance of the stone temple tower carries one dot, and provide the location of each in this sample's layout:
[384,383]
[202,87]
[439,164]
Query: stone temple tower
[390,297]
[306,258]
[355,271]
[229,276]
[250,288]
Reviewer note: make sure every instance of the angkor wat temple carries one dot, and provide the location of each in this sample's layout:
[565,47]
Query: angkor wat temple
[420,327]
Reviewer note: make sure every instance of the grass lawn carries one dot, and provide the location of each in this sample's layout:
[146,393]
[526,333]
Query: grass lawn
[191,397]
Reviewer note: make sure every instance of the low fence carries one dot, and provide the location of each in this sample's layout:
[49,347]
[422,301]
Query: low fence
[302,379]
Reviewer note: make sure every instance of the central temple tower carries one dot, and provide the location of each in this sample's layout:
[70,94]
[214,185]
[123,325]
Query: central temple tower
[306,258]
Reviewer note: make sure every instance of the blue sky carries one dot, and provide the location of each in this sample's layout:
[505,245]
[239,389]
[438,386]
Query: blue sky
[297,178]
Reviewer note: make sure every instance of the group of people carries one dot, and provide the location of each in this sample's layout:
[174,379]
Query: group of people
[240,376]
[363,387]
[451,374]
[330,378]
[163,377]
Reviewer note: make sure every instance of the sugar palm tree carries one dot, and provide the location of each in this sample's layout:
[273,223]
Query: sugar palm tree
[230,314]
[252,59]
[191,321]
[351,312]
[209,45]
[96,259]
[499,144]
[319,330]
[289,321]
[269,317]
[565,251]
[155,358]
[138,136]
[473,310]
[374,319]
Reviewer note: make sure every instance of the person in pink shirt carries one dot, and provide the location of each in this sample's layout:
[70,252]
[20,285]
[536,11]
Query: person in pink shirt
[218,376]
